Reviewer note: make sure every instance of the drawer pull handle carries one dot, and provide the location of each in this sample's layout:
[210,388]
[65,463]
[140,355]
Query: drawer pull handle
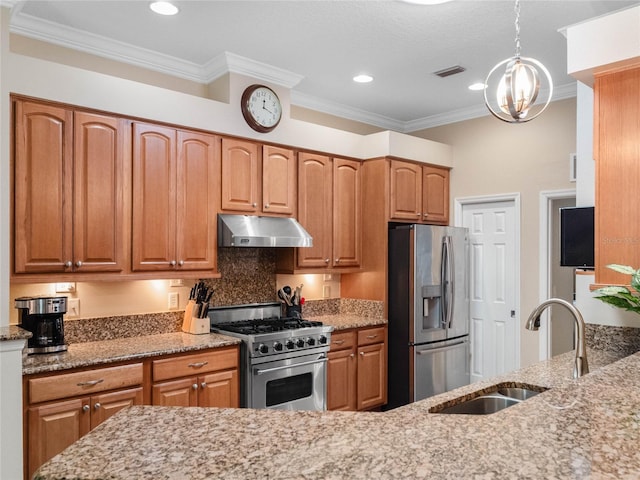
[194,386]
[338,342]
[97,406]
[371,337]
[85,408]
[198,365]
[90,383]
[203,385]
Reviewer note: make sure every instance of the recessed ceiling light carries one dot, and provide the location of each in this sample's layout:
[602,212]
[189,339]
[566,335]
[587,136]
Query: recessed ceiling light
[477,86]
[164,8]
[363,78]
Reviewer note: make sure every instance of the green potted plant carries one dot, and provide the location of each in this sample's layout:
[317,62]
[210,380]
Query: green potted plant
[622,297]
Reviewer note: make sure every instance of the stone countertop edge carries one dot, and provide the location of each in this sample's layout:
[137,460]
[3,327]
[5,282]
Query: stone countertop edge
[342,321]
[580,428]
[13,332]
[123,349]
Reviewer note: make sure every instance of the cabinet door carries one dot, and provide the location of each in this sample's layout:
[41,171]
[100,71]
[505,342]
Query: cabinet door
[98,220]
[154,197]
[405,200]
[435,191]
[346,213]
[177,393]
[106,404]
[314,208]
[341,380]
[372,386]
[279,182]
[43,195]
[196,230]
[220,389]
[239,176]
[54,427]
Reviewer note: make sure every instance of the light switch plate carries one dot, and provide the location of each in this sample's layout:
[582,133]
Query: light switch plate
[173,301]
[73,308]
[67,287]
[326,291]
[176,282]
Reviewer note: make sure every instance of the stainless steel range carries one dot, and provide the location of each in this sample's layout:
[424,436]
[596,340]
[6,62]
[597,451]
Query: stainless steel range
[283,360]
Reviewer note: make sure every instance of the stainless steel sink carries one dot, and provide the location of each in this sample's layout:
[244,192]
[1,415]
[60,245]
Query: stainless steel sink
[489,401]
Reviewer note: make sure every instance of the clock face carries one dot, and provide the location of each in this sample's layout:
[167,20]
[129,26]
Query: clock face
[261,108]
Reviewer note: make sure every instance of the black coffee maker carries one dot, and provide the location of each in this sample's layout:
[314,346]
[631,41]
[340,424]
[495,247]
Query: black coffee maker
[43,316]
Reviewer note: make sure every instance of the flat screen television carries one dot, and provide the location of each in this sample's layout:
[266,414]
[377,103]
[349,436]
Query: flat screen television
[576,237]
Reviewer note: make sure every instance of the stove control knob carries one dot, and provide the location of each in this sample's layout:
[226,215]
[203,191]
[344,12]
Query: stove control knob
[322,340]
[262,348]
[290,345]
[311,342]
[300,343]
[277,346]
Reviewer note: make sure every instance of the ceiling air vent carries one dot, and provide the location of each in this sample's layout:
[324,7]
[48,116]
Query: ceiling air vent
[450,71]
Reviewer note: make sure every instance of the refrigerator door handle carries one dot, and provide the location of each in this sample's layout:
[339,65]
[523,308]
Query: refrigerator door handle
[440,349]
[447,280]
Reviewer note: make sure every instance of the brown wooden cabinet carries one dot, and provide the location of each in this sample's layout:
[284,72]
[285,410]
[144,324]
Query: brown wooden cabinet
[616,151]
[174,216]
[329,208]
[69,190]
[357,369]
[418,193]
[61,408]
[257,179]
[207,380]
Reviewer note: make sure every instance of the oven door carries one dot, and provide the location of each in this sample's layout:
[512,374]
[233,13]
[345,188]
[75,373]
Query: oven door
[297,383]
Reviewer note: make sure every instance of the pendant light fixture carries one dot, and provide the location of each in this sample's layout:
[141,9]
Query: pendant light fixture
[513,96]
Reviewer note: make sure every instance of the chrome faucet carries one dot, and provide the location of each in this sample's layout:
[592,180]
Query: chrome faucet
[581,366]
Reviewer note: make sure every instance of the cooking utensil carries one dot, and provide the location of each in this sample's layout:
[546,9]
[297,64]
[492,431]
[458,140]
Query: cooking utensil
[284,297]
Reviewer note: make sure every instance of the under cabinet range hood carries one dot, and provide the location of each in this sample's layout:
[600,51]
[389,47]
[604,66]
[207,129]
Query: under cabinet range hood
[253,231]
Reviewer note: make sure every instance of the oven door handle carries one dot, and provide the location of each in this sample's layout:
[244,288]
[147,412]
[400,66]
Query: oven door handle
[259,371]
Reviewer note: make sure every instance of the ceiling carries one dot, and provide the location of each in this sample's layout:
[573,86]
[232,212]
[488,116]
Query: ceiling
[316,47]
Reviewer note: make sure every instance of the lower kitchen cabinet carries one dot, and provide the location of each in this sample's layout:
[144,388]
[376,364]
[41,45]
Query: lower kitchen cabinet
[357,369]
[205,380]
[61,408]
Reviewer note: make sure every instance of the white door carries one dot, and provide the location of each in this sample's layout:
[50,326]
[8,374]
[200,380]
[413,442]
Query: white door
[495,346]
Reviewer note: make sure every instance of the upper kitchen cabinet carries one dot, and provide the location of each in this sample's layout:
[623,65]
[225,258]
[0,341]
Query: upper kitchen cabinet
[329,208]
[257,180]
[174,183]
[418,193]
[616,151]
[69,190]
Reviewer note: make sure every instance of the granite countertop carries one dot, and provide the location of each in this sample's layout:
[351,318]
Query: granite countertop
[13,332]
[346,321]
[584,428]
[123,349]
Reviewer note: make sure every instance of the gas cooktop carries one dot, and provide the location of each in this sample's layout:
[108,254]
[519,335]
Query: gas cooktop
[267,325]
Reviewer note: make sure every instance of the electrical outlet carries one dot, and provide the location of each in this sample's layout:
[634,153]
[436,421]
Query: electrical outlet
[173,301]
[73,308]
[326,291]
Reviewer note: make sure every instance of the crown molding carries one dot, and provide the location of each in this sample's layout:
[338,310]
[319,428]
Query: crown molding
[344,111]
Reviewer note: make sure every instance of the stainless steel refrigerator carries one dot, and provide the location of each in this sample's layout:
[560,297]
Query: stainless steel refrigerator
[428,311]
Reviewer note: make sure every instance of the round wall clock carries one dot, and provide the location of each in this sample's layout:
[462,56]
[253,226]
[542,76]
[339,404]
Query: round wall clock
[261,108]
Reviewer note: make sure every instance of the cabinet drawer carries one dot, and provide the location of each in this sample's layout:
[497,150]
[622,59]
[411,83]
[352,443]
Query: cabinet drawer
[342,340]
[195,364]
[370,335]
[81,383]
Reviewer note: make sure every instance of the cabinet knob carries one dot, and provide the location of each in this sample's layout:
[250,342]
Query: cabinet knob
[425,215]
[352,355]
[362,354]
[203,385]
[85,408]
[68,264]
[326,260]
[194,386]
[181,262]
[97,406]
[79,263]
[418,214]
[254,204]
[172,263]
[337,260]
[266,206]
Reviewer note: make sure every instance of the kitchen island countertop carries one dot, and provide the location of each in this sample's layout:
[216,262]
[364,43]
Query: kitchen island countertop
[584,428]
